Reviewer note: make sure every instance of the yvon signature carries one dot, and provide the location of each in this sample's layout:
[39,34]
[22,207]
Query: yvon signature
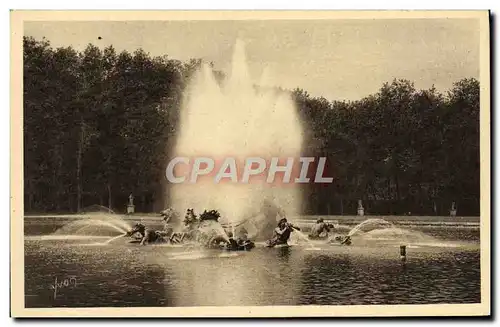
[67,282]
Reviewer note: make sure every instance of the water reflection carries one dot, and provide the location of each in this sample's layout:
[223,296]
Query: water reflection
[156,276]
[232,281]
[101,278]
[323,280]
[444,278]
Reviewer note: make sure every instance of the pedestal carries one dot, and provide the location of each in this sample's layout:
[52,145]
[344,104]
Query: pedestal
[130,209]
[361,210]
[453,211]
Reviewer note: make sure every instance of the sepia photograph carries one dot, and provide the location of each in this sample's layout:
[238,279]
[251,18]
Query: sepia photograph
[250,164]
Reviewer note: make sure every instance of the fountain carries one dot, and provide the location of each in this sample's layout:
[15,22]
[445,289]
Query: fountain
[381,232]
[304,237]
[96,208]
[115,238]
[399,235]
[370,223]
[236,119]
[95,225]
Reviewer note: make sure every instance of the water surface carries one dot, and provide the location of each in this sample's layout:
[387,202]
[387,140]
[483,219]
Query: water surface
[118,274]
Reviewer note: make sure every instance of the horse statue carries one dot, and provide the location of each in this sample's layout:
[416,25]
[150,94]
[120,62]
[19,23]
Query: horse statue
[343,240]
[169,214]
[204,230]
[146,236]
[320,230]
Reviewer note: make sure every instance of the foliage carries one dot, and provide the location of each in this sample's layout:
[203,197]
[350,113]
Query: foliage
[98,125]
[401,150]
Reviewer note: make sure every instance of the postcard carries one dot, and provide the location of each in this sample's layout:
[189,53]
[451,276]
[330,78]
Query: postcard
[250,163]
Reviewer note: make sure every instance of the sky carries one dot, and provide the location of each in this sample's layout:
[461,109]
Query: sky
[336,59]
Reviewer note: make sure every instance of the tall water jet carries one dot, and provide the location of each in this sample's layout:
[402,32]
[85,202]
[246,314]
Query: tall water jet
[238,119]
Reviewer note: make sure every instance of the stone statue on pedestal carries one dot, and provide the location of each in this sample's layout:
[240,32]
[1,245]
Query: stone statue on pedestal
[361,210]
[453,211]
[130,206]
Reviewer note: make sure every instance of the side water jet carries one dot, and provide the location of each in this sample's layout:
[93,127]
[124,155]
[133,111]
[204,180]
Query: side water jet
[236,119]
[95,225]
[370,224]
[115,238]
[305,238]
[381,231]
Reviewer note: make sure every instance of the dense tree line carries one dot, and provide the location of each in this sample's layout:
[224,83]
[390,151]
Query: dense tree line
[98,125]
[401,150]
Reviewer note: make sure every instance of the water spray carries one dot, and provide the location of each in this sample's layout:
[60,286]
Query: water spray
[114,238]
[234,119]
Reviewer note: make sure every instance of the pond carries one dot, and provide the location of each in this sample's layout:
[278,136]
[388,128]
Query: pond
[442,266]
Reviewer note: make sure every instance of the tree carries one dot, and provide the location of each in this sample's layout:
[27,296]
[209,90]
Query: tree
[99,125]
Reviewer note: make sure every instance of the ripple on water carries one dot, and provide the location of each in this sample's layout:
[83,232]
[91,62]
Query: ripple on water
[118,273]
